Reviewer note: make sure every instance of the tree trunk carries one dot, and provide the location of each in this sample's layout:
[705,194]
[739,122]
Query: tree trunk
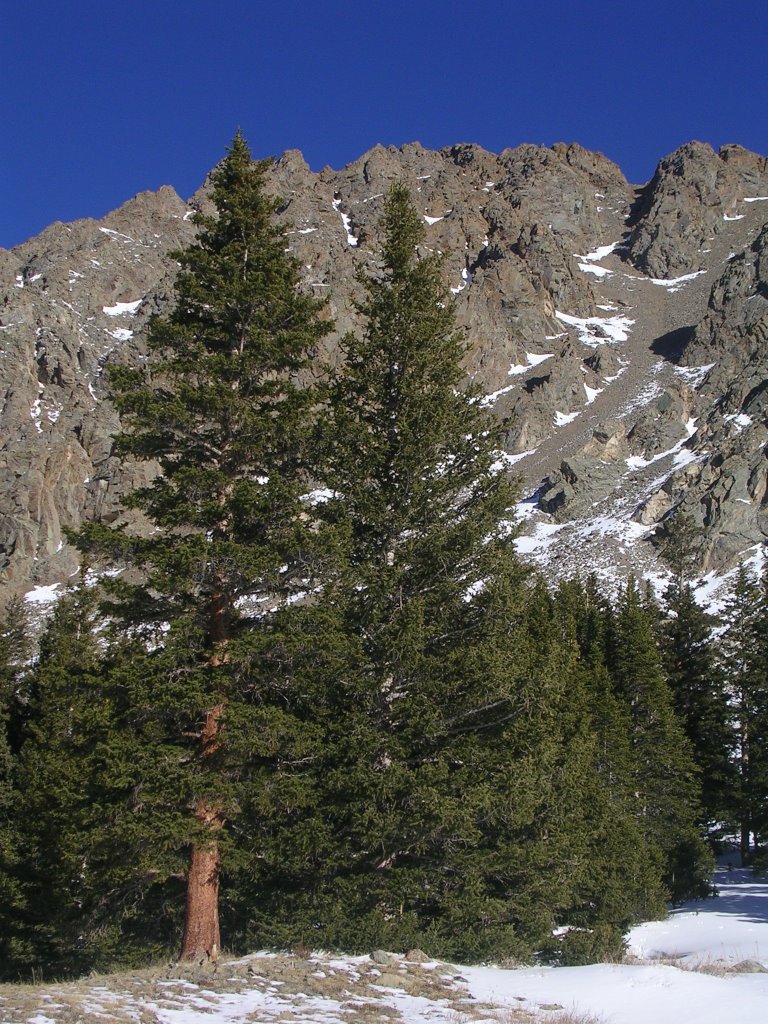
[746,796]
[202,939]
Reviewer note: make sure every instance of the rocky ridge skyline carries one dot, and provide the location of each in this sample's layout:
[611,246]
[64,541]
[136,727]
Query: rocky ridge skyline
[619,333]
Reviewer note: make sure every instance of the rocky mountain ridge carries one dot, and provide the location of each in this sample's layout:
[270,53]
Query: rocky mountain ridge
[619,334]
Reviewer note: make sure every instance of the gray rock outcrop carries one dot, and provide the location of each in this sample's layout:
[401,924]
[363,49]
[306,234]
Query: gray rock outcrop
[623,395]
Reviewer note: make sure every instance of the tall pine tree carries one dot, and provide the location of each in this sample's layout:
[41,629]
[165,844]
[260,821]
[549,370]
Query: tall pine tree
[220,407]
[664,773]
[744,653]
[15,649]
[445,780]
[698,686]
[64,925]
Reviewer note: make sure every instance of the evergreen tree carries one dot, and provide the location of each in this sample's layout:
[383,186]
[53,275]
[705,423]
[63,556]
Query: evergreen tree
[14,654]
[220,408]
[622,883]
[699,692]
[64,723]
[664,780]
[445,782]
[744,650]
[694,675]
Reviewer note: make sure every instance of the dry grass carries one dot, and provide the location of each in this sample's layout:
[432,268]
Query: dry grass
[133,997]
[547,1015]
[709,965]
[296,984]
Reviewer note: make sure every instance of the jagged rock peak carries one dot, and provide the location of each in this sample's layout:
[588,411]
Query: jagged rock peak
[597,365]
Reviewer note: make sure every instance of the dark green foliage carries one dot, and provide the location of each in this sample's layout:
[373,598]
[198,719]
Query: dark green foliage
[745,663]
[664,774]
[67,719]
[221,409]
[698,686]
[14,651]
[695,675]
[460,807]
[403,738]
[621,883]
[680,544]
[424,760]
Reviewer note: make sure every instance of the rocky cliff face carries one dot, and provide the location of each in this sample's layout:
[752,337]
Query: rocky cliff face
[619,333]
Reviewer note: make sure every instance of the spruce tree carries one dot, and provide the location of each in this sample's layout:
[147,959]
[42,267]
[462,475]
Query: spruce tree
[693,672]
[744,653]
[700,698]
[665,781]
[623,883]
[15,649]
[441,784]
[219,406]
[66,719]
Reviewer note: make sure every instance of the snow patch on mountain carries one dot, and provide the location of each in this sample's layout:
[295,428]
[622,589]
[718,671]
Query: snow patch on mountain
[122,308]
[694,375]
[564,418]
[352,240]
[600,252]
[531,360]
[595,330]
[591,268]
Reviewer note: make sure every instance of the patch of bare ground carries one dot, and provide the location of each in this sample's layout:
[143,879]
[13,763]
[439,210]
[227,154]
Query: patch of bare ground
[265,988]
[714,966]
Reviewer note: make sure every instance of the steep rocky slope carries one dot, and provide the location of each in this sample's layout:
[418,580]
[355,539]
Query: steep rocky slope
[619,333]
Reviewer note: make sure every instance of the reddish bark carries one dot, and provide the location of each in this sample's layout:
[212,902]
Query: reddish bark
[202,938]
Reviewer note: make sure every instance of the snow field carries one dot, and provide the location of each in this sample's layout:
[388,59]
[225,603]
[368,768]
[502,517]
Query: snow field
[684,972]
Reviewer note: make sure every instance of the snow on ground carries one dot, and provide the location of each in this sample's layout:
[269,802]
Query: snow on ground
[532,359]
[466,278]
[590,268]
[121,334]
[595,330]
[740,420]
[680,457]
[346,222]
[510,460]
[543,537]
[732,927]
[598,254]
[563,418]
[690,967]
[650,390]
[713,934]
[43,595]
[120,308]
[494,396]
[515,370]
[621,994]
[694,375]
[674,284]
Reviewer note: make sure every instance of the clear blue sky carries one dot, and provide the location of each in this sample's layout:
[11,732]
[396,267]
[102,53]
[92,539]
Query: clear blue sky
[104,98]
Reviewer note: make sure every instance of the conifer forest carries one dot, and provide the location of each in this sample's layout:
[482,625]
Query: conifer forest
[320,701]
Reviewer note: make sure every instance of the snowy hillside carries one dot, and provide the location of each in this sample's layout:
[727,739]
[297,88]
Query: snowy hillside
[707,963]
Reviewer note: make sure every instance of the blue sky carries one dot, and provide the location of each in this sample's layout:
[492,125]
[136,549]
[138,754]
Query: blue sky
[104,98]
